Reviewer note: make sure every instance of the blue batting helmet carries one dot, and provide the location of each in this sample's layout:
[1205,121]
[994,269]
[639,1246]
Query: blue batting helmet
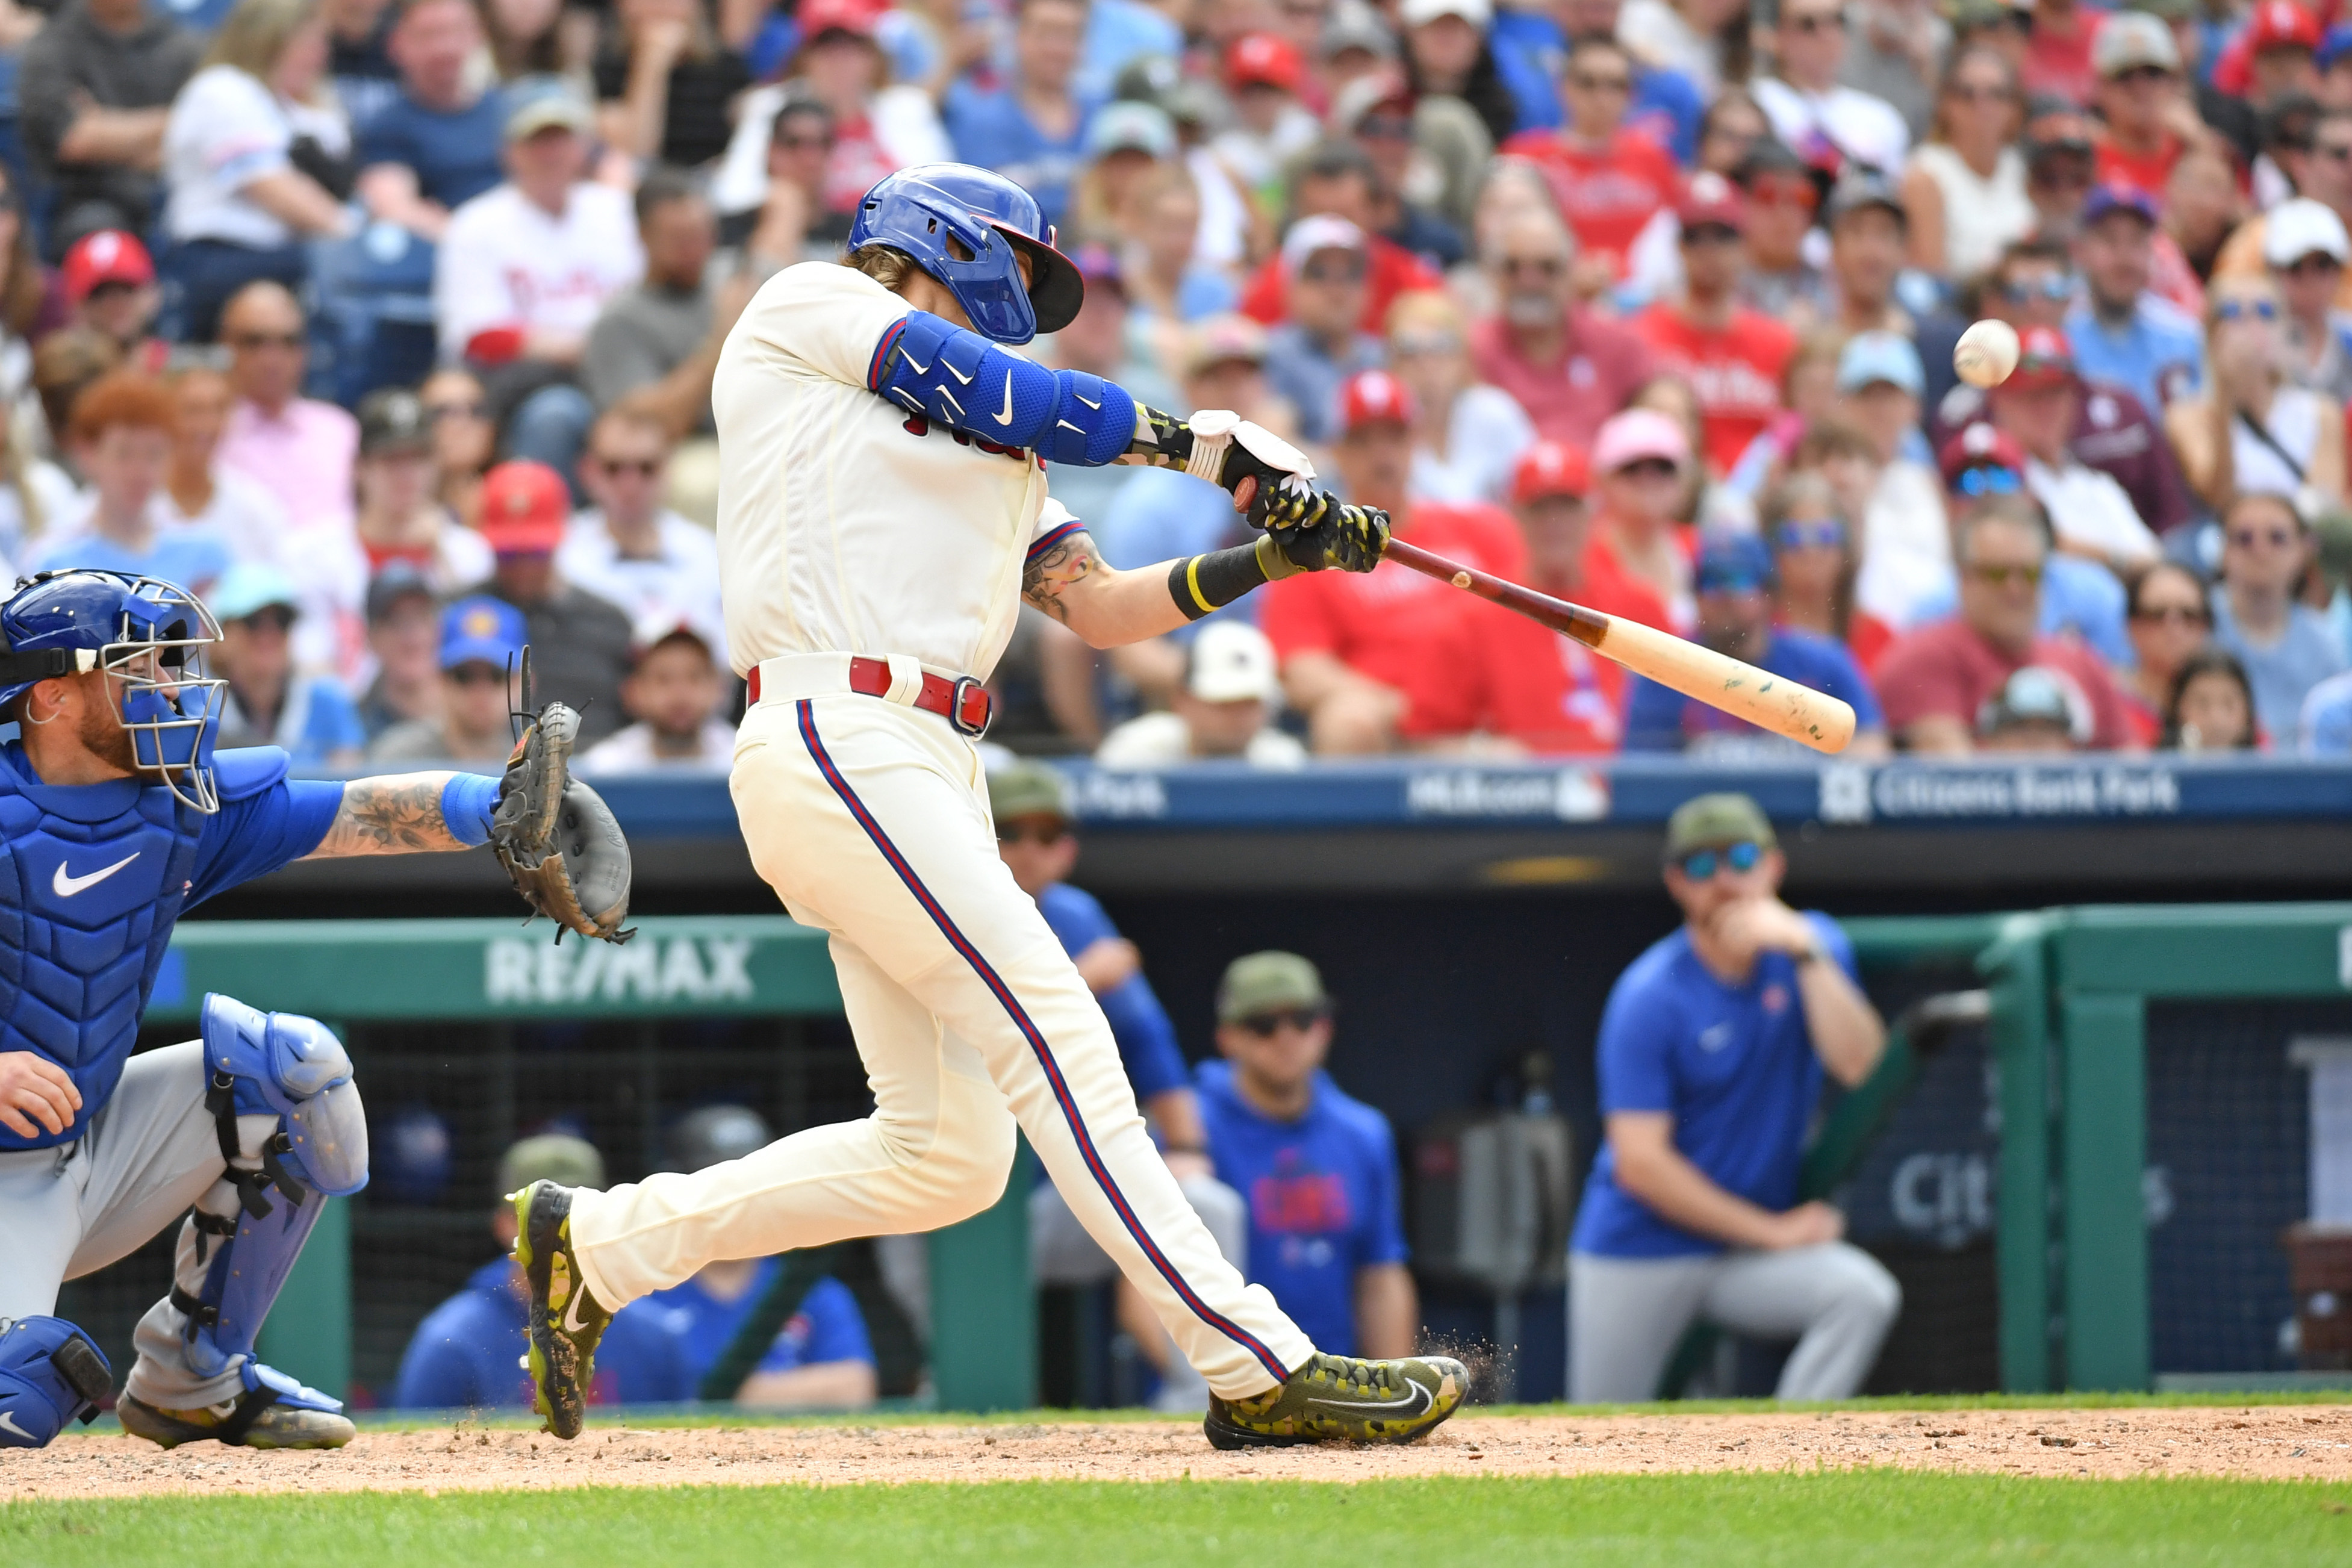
[150,635]
[965,227]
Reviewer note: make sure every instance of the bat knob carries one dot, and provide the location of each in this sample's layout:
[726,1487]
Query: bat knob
[1462,579]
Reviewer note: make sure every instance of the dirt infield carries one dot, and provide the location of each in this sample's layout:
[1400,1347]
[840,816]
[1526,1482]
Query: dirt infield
[2255,1443]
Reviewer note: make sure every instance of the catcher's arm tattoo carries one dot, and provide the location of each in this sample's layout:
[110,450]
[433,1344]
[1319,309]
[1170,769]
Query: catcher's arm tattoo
[394,814]
[1044,581]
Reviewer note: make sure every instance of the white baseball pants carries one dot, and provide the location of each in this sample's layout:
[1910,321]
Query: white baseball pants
[871,822]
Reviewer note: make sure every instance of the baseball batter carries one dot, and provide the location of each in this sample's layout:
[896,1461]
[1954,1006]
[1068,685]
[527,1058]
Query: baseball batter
[883,514]
[116,816]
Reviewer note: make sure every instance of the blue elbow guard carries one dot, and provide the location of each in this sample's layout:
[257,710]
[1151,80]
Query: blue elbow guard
[964,382]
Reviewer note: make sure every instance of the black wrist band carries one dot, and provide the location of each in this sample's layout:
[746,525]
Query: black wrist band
[1199,583]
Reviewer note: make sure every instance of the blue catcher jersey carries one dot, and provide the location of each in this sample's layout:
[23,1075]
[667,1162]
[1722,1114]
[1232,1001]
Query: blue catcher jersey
[92,878]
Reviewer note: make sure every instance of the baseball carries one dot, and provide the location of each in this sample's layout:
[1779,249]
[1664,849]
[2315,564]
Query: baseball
[1986,353]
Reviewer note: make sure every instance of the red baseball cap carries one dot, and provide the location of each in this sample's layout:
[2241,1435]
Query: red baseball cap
[1551,469]
[2045,359]
[1709,198]
[525,506]
[818,17]
[1264,59]
[1981,445]
[2282,24]
[108,256]
[1374,397]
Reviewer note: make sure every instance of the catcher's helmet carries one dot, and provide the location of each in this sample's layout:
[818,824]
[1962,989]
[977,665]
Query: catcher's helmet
[964,226]
[150,635]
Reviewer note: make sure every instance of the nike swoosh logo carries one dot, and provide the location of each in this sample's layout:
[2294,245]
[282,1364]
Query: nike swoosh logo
[921,368]
[68,885]
[572,1323]
[1005,418]
[8,1423]
[1414,1402]
[958,374]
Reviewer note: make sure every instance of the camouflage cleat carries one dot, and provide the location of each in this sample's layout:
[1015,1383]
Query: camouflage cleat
[273,1426]
[1339,1398]
[565,1320]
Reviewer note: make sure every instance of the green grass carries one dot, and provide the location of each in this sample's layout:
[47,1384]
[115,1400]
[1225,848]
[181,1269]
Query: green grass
[1804,1519]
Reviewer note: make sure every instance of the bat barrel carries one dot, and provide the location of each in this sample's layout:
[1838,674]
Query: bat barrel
[1766,700]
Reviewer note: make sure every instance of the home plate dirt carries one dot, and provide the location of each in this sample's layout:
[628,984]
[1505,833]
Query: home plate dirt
[2265,1442]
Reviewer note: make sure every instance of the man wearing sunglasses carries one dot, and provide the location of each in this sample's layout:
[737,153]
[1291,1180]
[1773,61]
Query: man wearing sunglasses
[1983,465]
[1570,368]
[1320,343]
[1935,680]
[1710,1060]
[2321,170]
[1808,104]
[629,548]
[1317,1167]
[481,639]
[1031,805]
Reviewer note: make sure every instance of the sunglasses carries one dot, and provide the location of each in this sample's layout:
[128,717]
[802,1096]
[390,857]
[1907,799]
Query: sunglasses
[1785,192]
[2002,576]
[272,617]
[805,143]
[642,467]
[2244,309]
[288,341]
[2250,537]
[1701,865]
[2187,614]
[1814,532]
[477,675]
[437,412]
[1044,834]
[1584,83]
[1333,272]
[1711,233]
[2319,264]
[1536,266]
[1266,1026]
[2138,74]
[1980,92]
[1649,469]
[1978,483]
[2057,288]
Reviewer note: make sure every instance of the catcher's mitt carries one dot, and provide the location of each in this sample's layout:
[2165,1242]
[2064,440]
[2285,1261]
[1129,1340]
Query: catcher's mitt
[556,836]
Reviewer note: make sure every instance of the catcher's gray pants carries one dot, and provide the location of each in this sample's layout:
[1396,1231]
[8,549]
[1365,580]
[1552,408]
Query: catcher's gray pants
[1626,1315]
[1061,1252]
[150,1153]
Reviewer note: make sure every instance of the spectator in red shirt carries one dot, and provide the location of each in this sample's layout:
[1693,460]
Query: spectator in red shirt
[1934,681]
[1641,456]
[1814,568]
[1570,368]
[1733,357]
[2140,98]
[1389,659]
[1611,181]
[1338,178]
[1548,692]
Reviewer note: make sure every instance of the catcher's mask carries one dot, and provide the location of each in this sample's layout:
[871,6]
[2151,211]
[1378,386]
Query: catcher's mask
[149,637]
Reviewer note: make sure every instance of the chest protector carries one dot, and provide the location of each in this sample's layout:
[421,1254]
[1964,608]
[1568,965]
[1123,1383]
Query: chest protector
[92,879]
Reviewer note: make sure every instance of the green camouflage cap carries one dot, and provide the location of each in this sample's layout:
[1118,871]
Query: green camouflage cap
[1027,789]
[1714,821]
[551,1157]
[1262,981]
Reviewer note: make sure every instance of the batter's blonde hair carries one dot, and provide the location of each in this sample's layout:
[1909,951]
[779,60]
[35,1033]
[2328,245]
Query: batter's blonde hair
[886,266]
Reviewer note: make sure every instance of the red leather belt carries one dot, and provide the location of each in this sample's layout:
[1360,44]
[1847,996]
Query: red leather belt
[963,702]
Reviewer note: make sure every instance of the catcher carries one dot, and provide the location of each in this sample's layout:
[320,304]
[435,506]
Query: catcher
[116,815]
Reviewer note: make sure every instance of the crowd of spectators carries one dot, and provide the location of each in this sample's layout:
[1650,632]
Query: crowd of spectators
[390,327]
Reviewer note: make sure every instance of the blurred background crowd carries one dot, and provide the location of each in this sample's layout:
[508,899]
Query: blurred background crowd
[389,325]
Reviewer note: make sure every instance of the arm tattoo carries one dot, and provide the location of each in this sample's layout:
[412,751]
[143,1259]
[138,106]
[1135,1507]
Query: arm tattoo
[395,813]
[1045,580]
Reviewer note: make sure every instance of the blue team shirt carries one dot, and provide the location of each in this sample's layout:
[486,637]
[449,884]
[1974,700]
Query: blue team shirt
[2159,356]
[826,1326]
[1667,105]
[990,129]
[1660,718]
[1733,1065]
[467,1353]
[1147,1040]
[1322,1194]
[454,154]
[190,553]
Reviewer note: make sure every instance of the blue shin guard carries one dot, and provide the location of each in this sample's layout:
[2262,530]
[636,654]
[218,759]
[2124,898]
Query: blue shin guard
[50,1373]
[294,1068]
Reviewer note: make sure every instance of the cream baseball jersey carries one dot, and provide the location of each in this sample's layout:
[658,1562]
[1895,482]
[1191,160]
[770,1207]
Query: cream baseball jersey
[846,524]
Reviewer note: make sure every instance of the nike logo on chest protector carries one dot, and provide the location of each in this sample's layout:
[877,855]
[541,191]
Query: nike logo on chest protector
[1005,418]
[66,885]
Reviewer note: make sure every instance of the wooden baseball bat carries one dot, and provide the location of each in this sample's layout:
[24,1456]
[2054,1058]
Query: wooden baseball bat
[1766,701]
